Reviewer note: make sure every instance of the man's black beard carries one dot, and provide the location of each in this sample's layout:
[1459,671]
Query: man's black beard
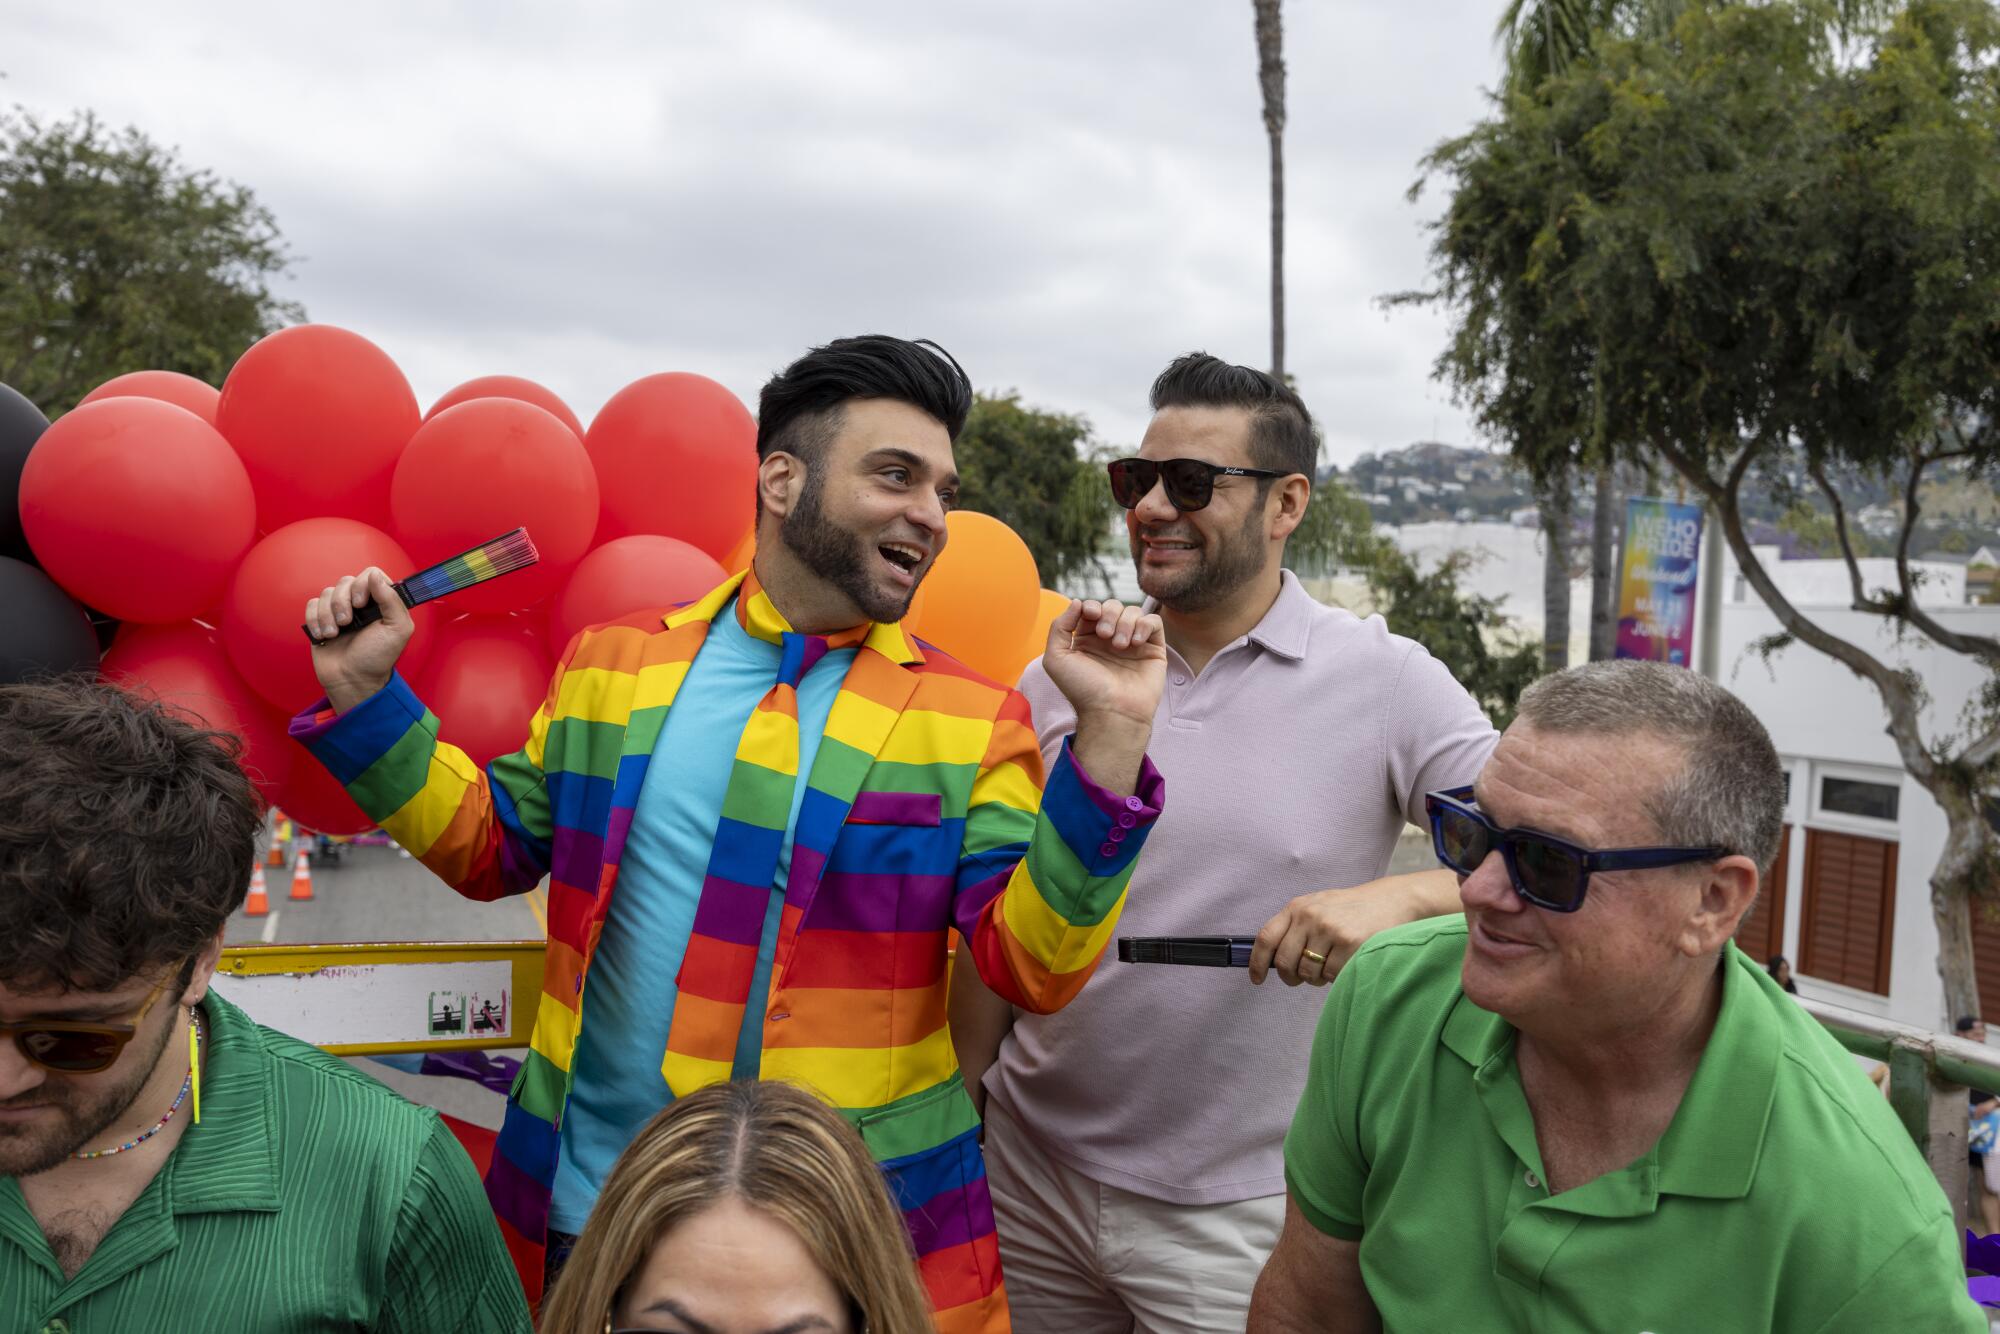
[839,556]
[1220,572]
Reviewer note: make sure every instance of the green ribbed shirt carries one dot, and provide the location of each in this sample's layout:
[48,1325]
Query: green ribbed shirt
[309,1198]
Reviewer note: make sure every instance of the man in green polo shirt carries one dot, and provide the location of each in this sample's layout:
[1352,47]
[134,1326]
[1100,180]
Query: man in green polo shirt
[307,1196]
[1578,1107]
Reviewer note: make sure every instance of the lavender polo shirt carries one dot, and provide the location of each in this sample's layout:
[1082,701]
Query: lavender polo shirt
[1294,759]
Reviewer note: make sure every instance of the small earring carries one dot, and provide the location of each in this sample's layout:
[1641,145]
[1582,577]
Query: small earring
[194,1062]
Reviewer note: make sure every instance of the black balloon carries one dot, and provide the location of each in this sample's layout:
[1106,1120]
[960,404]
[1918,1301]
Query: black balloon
[42,629]
[21,424]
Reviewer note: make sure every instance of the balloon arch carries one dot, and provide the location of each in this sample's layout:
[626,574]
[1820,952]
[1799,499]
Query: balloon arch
[167,535]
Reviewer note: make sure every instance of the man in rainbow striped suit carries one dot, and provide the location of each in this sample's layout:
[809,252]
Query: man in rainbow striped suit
[710,915]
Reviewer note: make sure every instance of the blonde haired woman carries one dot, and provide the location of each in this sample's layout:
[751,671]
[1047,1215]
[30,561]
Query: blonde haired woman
[742,1208]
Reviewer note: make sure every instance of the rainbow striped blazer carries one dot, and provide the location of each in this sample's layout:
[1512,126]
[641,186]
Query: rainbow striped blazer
[925,811]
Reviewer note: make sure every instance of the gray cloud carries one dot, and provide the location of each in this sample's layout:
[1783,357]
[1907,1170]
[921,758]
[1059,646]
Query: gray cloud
[1066,195]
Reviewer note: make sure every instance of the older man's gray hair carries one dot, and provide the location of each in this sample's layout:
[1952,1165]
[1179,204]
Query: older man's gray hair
[1731,791]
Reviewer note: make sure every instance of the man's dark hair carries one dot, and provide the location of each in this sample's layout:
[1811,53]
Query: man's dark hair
[798,411]
[1282,436]
[126,836]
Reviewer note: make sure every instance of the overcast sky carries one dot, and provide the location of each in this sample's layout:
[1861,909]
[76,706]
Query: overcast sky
[1065,194]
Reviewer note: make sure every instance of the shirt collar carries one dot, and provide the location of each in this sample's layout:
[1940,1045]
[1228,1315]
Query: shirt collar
[1712,1145]
[761,618]
[229,1161]
[1286,627]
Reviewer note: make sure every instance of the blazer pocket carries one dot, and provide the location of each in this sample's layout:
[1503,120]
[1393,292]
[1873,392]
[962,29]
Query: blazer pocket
[922,809]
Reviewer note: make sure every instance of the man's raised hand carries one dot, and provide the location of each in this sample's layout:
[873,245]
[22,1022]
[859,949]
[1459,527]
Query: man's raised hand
[353,667]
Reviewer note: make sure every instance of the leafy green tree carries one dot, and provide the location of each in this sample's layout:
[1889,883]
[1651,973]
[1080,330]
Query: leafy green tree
[1763,244]
[119,257]
[1037,472]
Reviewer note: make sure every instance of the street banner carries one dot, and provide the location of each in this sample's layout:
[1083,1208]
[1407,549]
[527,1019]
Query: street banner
[1657,586]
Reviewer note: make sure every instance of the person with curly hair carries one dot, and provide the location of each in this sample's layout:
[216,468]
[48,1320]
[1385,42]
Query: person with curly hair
[165,1162]
[745,1206]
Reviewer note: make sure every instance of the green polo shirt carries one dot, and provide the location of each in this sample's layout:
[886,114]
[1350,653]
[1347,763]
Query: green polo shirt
[1783,1196]
[309,1198]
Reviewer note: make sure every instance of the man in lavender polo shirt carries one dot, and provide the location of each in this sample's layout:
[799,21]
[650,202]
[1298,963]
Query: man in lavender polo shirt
[1134,1140]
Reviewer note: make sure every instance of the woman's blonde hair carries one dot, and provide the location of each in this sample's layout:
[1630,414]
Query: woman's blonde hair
[771,1145]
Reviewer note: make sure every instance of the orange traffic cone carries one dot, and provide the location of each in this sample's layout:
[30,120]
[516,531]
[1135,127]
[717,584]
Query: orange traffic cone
[259,902]
[275,856]
[302,877]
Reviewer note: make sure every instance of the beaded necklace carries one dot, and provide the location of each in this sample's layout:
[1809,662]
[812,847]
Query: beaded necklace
[161,1124]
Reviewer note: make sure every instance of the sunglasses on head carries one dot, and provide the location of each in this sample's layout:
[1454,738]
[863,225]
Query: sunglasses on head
[76,1048]
[1190,483]
[1547,871]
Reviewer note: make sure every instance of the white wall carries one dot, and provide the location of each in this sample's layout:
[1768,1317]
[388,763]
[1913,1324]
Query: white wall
[1821,716]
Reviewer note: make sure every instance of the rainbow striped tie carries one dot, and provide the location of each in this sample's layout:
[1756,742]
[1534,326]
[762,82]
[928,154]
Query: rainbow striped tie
[721,959]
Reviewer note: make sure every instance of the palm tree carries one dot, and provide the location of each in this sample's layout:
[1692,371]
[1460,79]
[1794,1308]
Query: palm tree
[1553,502]
[1541,39]
[1271,78]
[1603,530]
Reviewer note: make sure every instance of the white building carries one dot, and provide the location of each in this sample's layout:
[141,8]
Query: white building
[1849,904]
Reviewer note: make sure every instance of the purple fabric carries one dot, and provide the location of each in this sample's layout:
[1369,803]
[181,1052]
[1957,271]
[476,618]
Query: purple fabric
[578,860]
[909,808]
[732,912]
[946,1218]
[492,1072]
[615,834]
[967,907]
[808,865]
[858,901]
[1149,795]
[519,1202]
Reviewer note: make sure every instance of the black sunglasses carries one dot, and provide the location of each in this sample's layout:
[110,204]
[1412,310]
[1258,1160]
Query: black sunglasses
[1190,482]
[1547,871]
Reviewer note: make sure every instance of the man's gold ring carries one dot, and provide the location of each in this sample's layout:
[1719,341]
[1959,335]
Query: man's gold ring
[1314,955]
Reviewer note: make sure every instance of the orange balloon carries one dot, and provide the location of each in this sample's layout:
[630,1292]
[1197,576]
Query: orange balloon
[742,553]
[1052,605]
[183,391]
[982,595]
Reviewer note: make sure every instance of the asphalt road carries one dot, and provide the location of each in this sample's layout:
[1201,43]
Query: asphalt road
[378,894]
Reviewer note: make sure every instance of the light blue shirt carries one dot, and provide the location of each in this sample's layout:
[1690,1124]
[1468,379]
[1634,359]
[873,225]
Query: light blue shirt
[629,1005]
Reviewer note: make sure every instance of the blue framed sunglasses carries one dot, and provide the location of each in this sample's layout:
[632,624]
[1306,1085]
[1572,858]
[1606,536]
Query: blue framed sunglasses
[1547,871]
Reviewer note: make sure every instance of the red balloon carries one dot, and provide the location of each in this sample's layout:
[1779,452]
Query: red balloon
[630,574]
[315,800]
[676,454]
[266,605]
[486,467]
[485,678]
[509,386]
[183,391]
[137,508]
[319,415]
[184,667]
